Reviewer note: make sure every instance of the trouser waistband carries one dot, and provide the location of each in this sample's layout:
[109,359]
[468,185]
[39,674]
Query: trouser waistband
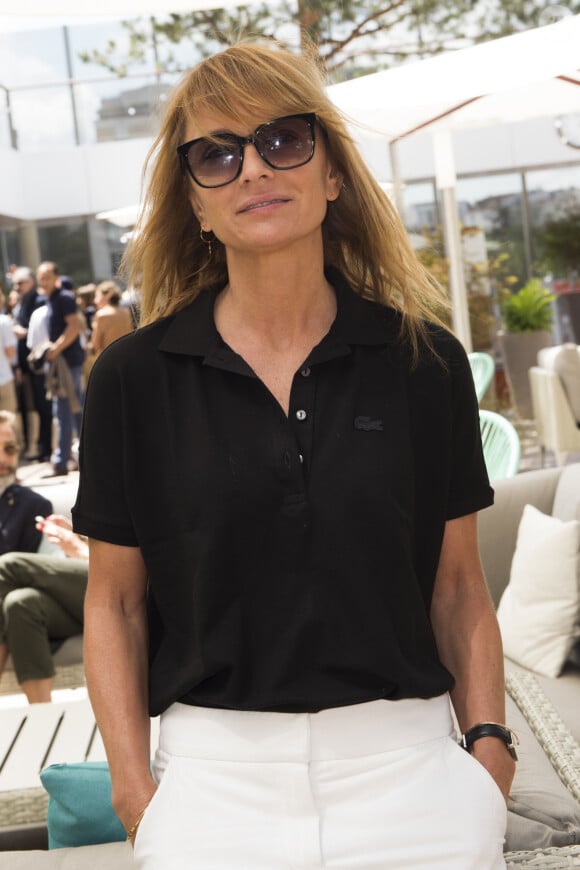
[338,733]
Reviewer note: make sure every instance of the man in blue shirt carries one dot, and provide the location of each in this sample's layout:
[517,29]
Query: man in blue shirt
[64,328]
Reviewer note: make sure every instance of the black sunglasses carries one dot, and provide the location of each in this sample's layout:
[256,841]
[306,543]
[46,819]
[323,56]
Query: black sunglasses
[284,143]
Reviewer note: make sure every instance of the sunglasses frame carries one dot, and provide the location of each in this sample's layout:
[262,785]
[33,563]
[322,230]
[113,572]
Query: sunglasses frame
[242,141]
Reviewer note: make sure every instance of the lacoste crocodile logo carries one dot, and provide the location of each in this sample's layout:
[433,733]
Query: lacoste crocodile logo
[368,425]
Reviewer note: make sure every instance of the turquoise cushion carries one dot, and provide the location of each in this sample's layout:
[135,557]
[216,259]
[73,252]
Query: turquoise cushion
[79,806]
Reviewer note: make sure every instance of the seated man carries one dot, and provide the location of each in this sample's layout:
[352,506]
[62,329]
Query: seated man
[19,505]
[41,600]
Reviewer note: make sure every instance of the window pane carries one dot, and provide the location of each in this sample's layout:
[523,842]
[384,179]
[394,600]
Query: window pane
[119,109]
[9,250]
[68,245]
[43,118]
[97,36]
[420,207]
[32,56]
[554,205]
[493,204]
[107,248]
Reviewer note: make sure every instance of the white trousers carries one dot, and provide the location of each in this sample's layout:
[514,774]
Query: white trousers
[376,785]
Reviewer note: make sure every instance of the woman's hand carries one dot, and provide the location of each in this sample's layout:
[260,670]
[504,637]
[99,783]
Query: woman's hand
[493,754]
[131,812]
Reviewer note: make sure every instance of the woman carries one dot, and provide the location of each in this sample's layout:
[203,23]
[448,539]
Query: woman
[280,474]
[111,320]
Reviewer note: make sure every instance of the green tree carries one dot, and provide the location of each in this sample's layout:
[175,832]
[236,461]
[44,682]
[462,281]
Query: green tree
[559,243]
[352,37]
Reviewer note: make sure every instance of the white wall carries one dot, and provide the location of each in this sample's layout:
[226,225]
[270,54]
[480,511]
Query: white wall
[71,181]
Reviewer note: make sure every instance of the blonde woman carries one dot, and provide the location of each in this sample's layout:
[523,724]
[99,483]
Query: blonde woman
[280,476]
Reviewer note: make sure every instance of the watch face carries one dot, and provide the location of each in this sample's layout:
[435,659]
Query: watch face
[568,129]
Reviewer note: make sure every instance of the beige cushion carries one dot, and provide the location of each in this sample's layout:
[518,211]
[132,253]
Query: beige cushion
[109,856]
[542,812]
[538,612]
[564,359]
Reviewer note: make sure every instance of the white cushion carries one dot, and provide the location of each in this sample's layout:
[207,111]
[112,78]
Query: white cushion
[564,359]
[539,609]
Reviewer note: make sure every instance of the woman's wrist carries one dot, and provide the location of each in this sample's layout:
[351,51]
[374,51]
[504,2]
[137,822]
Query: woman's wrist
[132,830]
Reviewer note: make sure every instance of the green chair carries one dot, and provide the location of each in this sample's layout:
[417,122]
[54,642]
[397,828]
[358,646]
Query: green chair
[482,369]
[501,445]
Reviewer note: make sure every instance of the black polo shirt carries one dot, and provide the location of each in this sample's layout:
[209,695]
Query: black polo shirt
[61,303]
[291,560]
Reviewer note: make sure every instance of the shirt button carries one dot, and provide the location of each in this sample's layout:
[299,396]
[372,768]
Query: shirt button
[301,415]
[305,372]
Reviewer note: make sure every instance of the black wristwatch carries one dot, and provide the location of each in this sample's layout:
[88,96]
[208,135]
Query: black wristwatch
[490,729]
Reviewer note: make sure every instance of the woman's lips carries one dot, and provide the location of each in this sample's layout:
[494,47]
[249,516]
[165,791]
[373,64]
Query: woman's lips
[262,203]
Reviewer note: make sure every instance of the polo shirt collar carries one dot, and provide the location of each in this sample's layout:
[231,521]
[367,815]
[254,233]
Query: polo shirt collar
[358,321]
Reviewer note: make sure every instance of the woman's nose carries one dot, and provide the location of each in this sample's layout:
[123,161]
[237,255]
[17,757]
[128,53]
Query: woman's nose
[254,166]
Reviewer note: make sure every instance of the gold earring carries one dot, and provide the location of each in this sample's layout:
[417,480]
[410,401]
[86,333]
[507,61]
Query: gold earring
[205,241]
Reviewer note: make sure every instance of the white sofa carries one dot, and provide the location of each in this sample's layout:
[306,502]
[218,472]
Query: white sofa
[544,811]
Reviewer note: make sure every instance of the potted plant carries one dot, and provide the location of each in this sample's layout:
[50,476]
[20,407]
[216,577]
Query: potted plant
[527,318]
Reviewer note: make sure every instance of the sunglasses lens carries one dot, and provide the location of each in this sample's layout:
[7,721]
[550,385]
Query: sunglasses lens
[214,162]
[283,144]
[286,143]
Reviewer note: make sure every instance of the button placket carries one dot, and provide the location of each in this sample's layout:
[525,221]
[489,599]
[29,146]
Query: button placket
[301,417]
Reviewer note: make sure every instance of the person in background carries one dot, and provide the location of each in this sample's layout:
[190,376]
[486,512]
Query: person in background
[111,320]
[8,400]
[280,476]
[34,407]
[85,296]
[11,302]
[64,329]
[41,603]
[19,505]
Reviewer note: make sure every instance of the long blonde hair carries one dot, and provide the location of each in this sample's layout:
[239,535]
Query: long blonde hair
[362,234]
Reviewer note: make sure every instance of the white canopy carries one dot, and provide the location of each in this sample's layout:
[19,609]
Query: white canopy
[36,14]
[527,75]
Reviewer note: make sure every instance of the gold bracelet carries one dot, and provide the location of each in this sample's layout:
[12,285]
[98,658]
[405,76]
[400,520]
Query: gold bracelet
[133,829]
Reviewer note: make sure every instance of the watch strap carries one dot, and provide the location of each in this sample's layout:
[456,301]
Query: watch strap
[490,729]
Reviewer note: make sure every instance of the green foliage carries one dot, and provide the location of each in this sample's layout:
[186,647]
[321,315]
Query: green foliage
[559,243]
[352,36]
[529,309]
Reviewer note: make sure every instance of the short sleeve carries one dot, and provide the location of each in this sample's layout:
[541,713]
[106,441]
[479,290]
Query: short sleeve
[469,487]
[68,304]
[8,337]
[101,509]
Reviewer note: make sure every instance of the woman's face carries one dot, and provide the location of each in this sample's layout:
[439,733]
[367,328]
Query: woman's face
[264,209]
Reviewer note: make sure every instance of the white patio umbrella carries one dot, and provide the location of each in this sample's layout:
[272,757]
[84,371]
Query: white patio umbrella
[528,75]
